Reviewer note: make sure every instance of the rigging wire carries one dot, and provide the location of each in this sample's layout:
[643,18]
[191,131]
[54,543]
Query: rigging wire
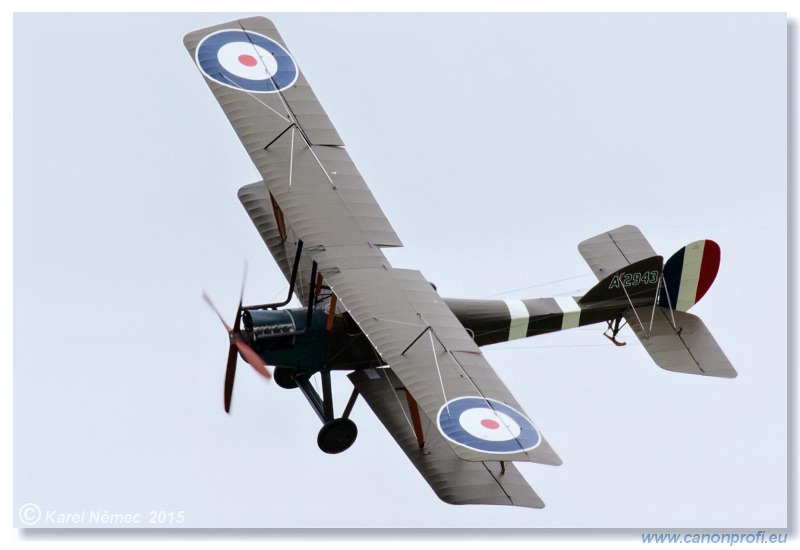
[539,285]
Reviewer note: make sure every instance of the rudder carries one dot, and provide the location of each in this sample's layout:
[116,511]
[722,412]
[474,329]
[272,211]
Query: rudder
[688,275]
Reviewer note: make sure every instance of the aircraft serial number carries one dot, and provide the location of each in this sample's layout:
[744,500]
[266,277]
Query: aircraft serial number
[634,279]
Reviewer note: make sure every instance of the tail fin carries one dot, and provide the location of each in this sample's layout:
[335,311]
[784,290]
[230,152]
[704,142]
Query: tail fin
[688,275]
[633,283]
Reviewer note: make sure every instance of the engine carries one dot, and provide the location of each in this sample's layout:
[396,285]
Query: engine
[285,337]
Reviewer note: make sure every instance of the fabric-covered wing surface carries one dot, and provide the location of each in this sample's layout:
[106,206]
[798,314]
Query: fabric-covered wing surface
[455,481]
[327,205]
[415,333]
[287,134]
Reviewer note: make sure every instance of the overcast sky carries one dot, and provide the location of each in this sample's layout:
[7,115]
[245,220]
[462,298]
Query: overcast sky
[494,144]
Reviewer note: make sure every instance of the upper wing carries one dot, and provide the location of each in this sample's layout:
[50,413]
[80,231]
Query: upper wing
[251,72]
[288,136]
[611,251]
[326,204]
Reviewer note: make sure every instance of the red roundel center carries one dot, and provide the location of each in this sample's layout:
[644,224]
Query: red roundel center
[490,424]
[247,60]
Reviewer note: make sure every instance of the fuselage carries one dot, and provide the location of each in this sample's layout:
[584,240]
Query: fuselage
[284,338]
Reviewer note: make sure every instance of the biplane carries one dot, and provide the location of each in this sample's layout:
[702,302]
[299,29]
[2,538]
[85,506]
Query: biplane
[413,356]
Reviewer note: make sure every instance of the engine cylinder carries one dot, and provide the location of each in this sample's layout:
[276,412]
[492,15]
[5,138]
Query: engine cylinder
[265,327]
[273,334]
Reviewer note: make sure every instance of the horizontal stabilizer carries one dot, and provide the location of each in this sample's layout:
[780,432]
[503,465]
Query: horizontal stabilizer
[687,346]
[454,480]
[611,251]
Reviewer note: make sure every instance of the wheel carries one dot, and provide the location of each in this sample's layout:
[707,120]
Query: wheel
[284,377]
[337,435]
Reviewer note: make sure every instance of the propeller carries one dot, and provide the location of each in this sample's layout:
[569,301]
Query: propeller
[238,345]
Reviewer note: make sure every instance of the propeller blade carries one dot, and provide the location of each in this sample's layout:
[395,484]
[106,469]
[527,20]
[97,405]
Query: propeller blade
[237,320]
[238,344]
[244,280]
[230,374]
[212,306]
[252,357]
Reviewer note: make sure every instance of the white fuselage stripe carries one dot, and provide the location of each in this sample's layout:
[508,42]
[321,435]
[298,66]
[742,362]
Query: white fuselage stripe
[571,310]
[519,319]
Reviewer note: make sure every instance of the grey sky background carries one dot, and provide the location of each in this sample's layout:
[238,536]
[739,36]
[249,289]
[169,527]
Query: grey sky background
[495,144]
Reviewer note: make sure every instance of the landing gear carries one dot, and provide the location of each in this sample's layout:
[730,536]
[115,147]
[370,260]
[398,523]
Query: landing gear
[337,435]
[284,377]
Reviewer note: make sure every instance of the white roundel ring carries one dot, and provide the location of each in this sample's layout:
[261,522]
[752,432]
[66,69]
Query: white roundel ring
[246,60]
[487,425]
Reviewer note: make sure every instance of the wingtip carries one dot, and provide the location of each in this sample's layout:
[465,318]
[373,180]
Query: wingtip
[191,38]
[256,19]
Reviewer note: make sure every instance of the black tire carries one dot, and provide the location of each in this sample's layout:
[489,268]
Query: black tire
[337,435]
[284,377]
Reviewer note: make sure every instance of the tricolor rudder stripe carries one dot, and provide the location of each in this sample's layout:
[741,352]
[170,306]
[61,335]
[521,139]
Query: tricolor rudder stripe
[688,274]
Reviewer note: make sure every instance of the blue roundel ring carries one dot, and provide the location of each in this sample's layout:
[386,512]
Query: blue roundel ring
[208,59]
[487,425]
